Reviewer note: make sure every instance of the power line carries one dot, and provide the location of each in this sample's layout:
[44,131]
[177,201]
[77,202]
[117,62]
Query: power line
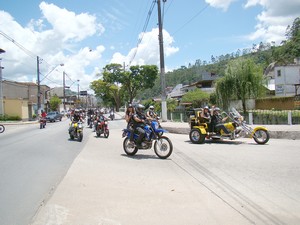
[143,32]
[190,20]
[29,53]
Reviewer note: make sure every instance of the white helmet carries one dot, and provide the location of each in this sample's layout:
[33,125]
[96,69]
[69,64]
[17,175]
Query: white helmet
[151,107]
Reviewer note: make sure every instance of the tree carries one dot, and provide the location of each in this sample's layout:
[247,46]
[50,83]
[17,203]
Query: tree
[137,78]
[110,93]
[54,103]
[197,97]
[118,83]
[243,80]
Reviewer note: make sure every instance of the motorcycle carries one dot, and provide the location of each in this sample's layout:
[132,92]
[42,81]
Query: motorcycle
[2,128]
[102,128]
[90,121]
[76,130]
[162,145]
[112,115]
[237,128]
[43,122]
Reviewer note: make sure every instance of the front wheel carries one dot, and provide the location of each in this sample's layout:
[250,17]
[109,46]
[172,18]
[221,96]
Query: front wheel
[196,136]
[106,133]
[80,136]
[163,147]
[261,136]
[2,129]
[129,148]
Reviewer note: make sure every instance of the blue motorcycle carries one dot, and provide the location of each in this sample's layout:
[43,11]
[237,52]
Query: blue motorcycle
[153,133]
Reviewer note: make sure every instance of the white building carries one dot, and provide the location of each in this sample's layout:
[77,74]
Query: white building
[286,79]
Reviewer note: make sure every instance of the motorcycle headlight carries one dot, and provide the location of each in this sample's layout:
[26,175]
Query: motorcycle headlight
[105,122]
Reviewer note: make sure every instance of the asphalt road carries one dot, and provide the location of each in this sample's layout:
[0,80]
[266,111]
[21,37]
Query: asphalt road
[33,162]
[229,183]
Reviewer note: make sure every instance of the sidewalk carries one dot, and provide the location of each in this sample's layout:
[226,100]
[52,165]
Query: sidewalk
[276,131]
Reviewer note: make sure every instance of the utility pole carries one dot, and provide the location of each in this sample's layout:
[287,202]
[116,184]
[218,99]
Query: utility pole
[162,65]
[38,85]
[64,90]
[78,100]
[1,86]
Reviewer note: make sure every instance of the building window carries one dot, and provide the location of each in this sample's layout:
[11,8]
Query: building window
[278,73]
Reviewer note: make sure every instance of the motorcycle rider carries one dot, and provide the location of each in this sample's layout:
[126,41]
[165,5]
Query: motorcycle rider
[150,113]
[205,115]
[139,122]
[77,116]
[100,118]
[43,116]
[217,121]
[129,119]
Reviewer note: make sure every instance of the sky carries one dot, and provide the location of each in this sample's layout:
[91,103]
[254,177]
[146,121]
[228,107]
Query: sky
[81,37]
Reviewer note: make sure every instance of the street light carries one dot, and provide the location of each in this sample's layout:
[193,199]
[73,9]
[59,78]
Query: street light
[78,90]
[1,86]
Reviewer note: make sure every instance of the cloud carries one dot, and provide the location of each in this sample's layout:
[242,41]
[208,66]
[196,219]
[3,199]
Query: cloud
[223,4]
[147,52]
[52,37]
[274,18]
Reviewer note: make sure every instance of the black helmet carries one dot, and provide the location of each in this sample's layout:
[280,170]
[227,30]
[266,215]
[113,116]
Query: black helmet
[140,108]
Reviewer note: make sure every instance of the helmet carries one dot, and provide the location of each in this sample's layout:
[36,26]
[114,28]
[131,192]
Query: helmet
[206,107]
[102,111]
[217,109]
[140,108]
[151,107]
[76,110]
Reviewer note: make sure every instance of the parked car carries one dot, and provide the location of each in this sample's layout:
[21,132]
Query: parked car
[53,116]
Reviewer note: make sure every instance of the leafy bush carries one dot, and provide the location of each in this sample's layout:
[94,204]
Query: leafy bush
[7,118]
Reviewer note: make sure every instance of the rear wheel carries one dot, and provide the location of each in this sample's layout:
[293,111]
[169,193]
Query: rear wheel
[196,136]
[261,136]
[128,148]
[163,147]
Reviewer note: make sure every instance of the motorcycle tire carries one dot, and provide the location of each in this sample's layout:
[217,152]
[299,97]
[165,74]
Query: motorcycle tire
[106,133]
[196,137]
[80,137]
[71,137]
[98,134]
[2,129]
[129,150]
[41,126]
[261,136]
[163,147]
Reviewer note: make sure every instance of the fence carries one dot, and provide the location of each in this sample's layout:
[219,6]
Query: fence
[271,117]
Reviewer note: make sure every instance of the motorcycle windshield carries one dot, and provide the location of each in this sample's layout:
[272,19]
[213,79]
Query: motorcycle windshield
[235,112]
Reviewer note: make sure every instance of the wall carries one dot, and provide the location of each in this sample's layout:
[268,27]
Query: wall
[16,107]
[283,103]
